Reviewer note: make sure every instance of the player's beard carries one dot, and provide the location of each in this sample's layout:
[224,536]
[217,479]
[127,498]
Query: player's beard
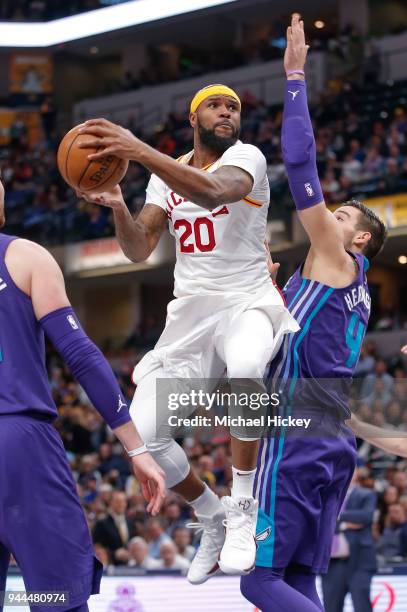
[213,142]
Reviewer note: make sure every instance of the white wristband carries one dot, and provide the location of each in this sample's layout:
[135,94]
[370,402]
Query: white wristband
[138,451]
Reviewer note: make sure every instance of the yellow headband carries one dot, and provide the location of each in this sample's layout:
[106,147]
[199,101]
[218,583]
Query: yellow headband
[212,90]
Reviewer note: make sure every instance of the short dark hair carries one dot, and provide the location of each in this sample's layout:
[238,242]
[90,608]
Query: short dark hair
[370,222]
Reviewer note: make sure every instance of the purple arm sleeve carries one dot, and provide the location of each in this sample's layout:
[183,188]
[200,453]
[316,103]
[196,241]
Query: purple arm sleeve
[87,364]
[299,149]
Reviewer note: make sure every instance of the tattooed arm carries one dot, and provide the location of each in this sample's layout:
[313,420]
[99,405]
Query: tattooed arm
[137,236]
[207,189]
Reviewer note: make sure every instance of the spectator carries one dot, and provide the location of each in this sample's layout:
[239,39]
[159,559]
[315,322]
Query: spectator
[205,470]
[87,469]
[390,542]
[353,561]
[390,496]
[366,363]
[105,493]
[115,531]
[172,515]
[182,540]
[170,559]
[399,481]
[90,491]
[138,555]
[380,374]
[156,536]
[110,461]
[394,414]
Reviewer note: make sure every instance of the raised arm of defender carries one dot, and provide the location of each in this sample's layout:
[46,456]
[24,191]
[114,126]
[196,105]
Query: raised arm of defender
[299,153]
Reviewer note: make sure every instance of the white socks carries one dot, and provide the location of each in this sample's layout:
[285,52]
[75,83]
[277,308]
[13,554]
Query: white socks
[207,504]
[243,482]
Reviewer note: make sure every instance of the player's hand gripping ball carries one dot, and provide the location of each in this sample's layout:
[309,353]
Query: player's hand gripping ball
[86,175]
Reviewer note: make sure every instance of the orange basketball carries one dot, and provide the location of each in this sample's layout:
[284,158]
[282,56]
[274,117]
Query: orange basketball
[81,173]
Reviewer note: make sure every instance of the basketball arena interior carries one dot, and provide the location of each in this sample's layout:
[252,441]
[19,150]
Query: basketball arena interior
[138,63]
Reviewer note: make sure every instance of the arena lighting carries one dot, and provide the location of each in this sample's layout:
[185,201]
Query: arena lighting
[319,24]
[96,22]
[403,259]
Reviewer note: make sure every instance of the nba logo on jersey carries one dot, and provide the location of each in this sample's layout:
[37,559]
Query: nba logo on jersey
[72,322]
[309,190]
[3,285]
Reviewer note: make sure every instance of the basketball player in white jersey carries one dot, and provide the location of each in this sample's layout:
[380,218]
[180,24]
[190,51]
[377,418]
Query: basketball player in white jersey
[227,315]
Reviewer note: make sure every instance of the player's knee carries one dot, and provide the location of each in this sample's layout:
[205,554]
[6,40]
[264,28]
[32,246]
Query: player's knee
[172,459]
[246,365]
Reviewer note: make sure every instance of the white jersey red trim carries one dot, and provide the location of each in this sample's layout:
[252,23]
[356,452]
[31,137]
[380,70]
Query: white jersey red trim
[223,249]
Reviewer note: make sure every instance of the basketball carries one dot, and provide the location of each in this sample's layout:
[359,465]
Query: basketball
[81,173]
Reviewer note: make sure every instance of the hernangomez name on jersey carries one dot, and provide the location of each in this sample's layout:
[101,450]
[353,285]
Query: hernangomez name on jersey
[220,250]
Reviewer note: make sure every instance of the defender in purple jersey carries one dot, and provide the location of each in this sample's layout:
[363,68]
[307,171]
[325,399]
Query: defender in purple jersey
[302,476]
[42,523]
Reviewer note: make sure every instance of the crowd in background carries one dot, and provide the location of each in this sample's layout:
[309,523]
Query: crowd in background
[125,535]
[185,61]
[360,154]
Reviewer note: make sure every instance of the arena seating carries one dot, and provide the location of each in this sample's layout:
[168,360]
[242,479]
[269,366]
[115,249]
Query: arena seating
[362,151]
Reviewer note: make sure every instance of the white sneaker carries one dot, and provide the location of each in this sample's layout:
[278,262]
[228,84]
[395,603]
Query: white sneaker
[205,563]
[238,554]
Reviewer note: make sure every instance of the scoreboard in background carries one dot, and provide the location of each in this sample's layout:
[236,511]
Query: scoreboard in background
[221,594]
